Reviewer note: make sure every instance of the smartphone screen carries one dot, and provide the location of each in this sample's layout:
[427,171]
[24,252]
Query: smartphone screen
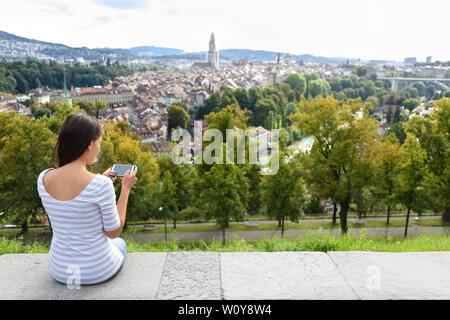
[121,169]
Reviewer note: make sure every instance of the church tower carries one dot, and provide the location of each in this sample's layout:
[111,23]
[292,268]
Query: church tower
[66,96]
[213,56]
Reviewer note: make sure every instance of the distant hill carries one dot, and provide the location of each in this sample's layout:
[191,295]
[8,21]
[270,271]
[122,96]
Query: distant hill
[260,55]
[151,50]
[8,36]
[236,54]
[14,47]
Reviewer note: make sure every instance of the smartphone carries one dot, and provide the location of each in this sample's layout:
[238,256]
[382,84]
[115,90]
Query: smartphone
[121,169]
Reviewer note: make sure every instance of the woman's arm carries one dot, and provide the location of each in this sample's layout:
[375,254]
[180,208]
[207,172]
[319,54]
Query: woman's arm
[128,181]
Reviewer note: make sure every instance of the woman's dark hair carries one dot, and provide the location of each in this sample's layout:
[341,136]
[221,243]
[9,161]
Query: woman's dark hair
[75,135]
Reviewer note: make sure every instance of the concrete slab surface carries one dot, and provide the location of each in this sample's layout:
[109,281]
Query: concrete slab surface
[243,275]
[282,275]
[191,276]
[28,277]
[399,275]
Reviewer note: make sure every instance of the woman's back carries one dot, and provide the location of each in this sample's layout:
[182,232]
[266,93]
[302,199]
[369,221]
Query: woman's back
[55,183]
[85,209]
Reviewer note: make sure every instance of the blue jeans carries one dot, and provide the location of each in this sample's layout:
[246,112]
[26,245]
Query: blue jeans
[122,246]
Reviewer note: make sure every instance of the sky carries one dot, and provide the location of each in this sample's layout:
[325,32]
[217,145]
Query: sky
[365,29]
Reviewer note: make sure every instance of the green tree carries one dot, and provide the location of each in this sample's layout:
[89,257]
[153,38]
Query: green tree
[429,91]
[211,104]
[411,103]
[181,104]
[318,87]
[389,115]
[360,71]
[433,135]
[223,193]
[388,158]
[270,122]
[396,117]
[420,86]
[340,158]
[180,175]
[168,197]
[288,201]
[254,181]
[297,83]
[374,101]
[242,97]
[411,178]
[228,118]
[88,106]
[311,76]
[262,109]
[285,88]
[178,118]
[254,94]
[27,149]
[413,92]
[369,89]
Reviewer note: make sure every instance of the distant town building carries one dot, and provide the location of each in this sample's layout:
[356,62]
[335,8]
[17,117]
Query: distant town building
[381,62]
[16,107]
[429,59]
[410,60]
[198,98]
[272,73]
[6,98]
[167,98]
[112,97]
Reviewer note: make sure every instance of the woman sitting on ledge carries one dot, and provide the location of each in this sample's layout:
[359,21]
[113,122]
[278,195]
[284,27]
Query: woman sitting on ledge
[82,207]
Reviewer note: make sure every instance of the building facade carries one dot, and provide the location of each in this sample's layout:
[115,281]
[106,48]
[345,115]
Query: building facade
[112,97]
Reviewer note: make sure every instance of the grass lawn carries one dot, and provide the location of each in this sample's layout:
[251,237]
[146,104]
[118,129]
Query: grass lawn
[313,241]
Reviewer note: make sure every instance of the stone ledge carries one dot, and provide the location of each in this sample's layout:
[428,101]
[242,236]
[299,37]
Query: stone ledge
[243,275]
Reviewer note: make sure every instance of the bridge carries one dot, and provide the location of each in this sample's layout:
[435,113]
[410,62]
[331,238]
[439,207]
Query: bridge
[395,81]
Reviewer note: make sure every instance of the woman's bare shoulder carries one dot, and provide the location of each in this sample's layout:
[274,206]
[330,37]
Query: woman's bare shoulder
[64,175]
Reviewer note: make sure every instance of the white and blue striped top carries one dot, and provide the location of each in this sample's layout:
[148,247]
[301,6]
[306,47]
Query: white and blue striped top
[79,245]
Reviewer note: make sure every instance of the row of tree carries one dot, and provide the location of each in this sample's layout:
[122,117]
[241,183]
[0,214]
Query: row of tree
[270,107]
[349,163]
[49,108]
[18,77]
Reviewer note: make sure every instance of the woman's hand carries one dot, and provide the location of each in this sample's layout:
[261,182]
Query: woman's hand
[129,179]
[109,173]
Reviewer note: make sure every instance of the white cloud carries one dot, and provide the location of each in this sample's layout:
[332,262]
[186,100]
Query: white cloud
[375,29]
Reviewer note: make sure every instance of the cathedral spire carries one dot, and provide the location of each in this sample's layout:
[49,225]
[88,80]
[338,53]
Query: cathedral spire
[213,56]
[66,96]
[66,93]
[212,43]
